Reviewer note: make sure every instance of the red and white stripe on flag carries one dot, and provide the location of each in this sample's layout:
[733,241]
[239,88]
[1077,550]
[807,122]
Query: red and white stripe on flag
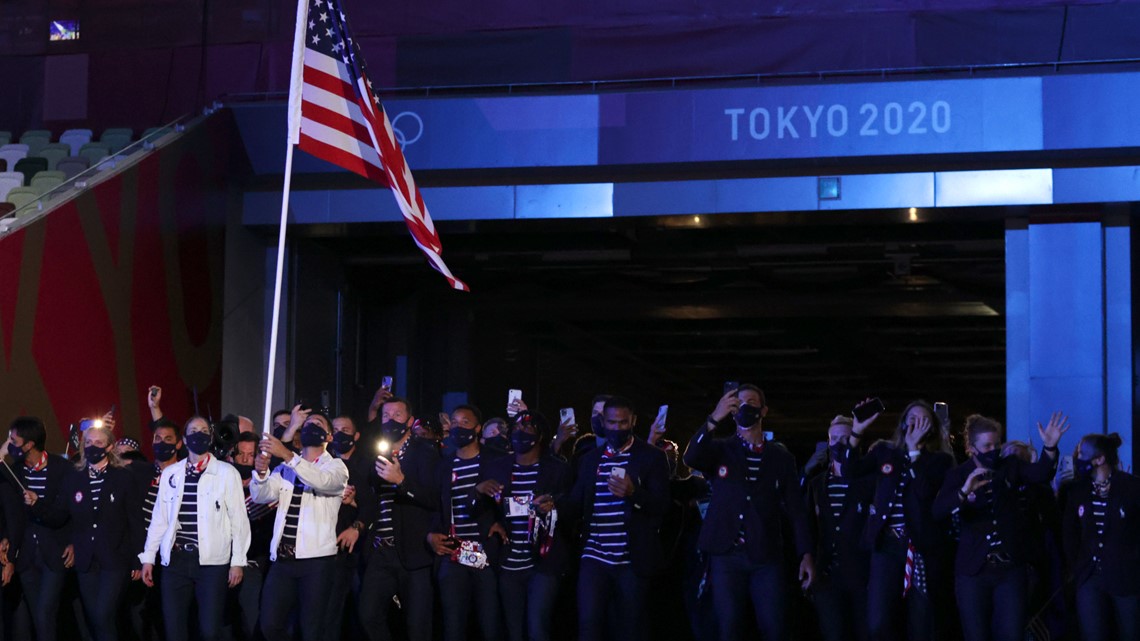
[343,122]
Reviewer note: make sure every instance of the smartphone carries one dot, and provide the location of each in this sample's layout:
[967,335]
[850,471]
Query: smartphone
[942,411]
[112,410]
[619,472]
[769,436]
[866,410]
[304,406]
[729,386]
[662,416]
[153,392]
[513,396]
[325,401]
[566,416]
[386,383]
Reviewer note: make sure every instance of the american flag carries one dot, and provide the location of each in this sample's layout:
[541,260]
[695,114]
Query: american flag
[342,121]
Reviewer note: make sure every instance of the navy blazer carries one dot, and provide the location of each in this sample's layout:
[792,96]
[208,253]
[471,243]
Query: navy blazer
[1120,556]
[760,507]
[417,500]
[888,463]
[484,518]
[842,537]
[42,528]
[555,478]
[111,535]
[645,508]
[1008,516]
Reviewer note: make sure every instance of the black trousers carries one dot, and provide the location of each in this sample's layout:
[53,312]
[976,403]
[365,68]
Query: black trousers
[301,585]
[385,578]
[841,610]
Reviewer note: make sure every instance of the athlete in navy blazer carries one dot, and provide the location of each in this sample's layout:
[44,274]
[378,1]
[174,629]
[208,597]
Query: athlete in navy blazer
[755,490]
[914,463]
[105,503]
[1101,522]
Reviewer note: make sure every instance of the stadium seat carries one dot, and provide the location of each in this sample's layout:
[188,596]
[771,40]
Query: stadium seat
[12,153]
[72,166]
[35,139]
[117,138]
[20,196]
[54,153]
[30,166]
[94,152]
[46,181]
[6,208]
[76,138]
[5,137]
[10,180]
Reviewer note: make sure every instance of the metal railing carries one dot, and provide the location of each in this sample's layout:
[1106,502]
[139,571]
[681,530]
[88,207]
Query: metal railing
[108,166]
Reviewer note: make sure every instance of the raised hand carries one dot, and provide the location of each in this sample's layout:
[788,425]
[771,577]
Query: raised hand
[917,431]
[1052,433]
[726,406]
[857,426]
[977,479]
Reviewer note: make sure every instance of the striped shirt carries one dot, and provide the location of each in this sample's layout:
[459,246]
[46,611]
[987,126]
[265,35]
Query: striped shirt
[836,495]
[188,512]
[987,499]
[385,526]
[1099,510]
[520,553]
[35,477]
[151,496]
[608,540]
[464,474]
[95,484]
[753,456]
[896,517]
[292,516]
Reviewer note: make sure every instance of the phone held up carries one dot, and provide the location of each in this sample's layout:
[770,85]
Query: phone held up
[865,411]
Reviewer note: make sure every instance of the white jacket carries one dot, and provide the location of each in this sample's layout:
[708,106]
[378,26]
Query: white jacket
[324,483]
[223,526]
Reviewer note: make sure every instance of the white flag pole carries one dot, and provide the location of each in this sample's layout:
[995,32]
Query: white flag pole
[293,137]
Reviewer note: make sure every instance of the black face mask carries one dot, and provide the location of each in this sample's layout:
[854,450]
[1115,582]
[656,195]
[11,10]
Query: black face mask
[312,435]
[94,454]
[617,439]
[1082,469]
[499,442]
[460,438]
[747,416]
[990,458]
[198,442]
[523,442]
[279,431]
[246,471]
[163,451]
[342,442]
[393,430]
[837,451]
[16,452]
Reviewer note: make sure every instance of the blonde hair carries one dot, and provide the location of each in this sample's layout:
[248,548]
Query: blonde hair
[113,458]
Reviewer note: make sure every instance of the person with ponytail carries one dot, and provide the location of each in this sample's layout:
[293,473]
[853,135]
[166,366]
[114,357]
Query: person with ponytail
[906,541]
[105,502]
[991,565]
[1102,541]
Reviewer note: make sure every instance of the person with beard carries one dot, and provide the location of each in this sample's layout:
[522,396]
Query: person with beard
[261,534]
[38,539]
[104,502]
[394,525]
[991,571]
[907,543]
[1101,521]
[456,522]
[201,529]
[308,488]
[346,578]
[520,491]
[755,487]
[620,497]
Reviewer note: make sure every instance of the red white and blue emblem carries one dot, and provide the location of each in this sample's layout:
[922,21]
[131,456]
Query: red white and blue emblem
[79,497]
[722,472]
[1080,510]
[887,468]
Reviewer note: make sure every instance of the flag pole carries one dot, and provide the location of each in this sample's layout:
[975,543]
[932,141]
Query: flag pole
[293,136]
